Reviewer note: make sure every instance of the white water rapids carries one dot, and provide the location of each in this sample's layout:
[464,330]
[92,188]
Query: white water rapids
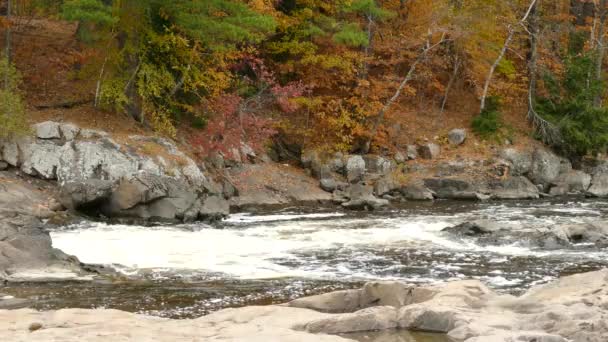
[405,244]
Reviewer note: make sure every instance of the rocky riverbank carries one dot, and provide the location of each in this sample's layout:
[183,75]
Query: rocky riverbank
[573,308]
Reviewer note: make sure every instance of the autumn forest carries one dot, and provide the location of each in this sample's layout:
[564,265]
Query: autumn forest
[345,75]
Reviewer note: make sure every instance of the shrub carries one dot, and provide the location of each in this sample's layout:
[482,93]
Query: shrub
[12,108]
[489,122]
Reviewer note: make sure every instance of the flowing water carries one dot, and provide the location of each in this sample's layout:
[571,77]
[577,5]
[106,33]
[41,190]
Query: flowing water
[187,271]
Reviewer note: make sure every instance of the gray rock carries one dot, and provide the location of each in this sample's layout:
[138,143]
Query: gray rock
[332,302]
[429,151]
[355,169]
[217,160]
[41,159]
[400,158]
[478,227]
[75,195]
[521,161]
[515,188]
[385,185]
[412,152]
[573,181]
[10,153]
[328,184]
[416,192]
[447,188]
[93,134]
[599,185]
[229,190]
[361,197]
[69,131]
[214,208]
[377,164]
[457,136]
[3,165]
[546,167]
[370,319]
[47,130]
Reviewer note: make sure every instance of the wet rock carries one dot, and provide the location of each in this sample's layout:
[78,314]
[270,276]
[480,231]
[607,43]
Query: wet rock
[521,161]
[590,232]
[47,130]
[417,192]
[214,208]
[514,188]
[479,227]
[457,136]
[429,151]
[11,303]
[34,326]
[448,188]
[355,169]
[361,197]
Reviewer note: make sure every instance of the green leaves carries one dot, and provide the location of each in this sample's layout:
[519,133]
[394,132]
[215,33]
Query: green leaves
[218,23]
[12,108]
[351,35]
[369,8]
[88,11]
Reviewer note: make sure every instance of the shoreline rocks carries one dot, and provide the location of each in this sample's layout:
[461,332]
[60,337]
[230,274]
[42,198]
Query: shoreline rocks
[571,308]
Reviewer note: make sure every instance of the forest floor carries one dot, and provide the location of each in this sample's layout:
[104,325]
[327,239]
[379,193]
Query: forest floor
[59,82]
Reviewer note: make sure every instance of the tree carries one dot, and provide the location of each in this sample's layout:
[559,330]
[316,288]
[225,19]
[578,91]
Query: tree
[12,108]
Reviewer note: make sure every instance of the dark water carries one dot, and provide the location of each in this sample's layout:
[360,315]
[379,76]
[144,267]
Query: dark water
[192,270]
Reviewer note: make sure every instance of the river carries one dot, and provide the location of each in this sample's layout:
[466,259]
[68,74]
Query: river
[186,271]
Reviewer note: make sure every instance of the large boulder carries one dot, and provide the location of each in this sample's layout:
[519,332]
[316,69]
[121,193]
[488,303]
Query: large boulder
[546,167]
[599,185]
[514,188]
[88,193]
[457,136]
[479,227]
[25,245]
[355,169]
[214,208]
[574,181]
[47,130]
[377,164]
[459,189]
[417,192]
[386,185]
[521,161]
[361,197]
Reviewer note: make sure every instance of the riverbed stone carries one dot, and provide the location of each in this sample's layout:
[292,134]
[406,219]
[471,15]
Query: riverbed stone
[361,197]
[457,136]
[477,227]
[370,319]
[451,188]
[574,181]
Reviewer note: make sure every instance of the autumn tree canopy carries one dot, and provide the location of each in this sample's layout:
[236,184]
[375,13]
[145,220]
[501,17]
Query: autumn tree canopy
[338,74]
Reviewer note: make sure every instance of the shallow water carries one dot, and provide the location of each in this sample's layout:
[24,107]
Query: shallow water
[190,270]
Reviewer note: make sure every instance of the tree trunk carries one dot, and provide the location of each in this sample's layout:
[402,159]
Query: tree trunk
[505,46]
[547,131]
[450,83]
[8,44]
[601,49]
[410,74]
